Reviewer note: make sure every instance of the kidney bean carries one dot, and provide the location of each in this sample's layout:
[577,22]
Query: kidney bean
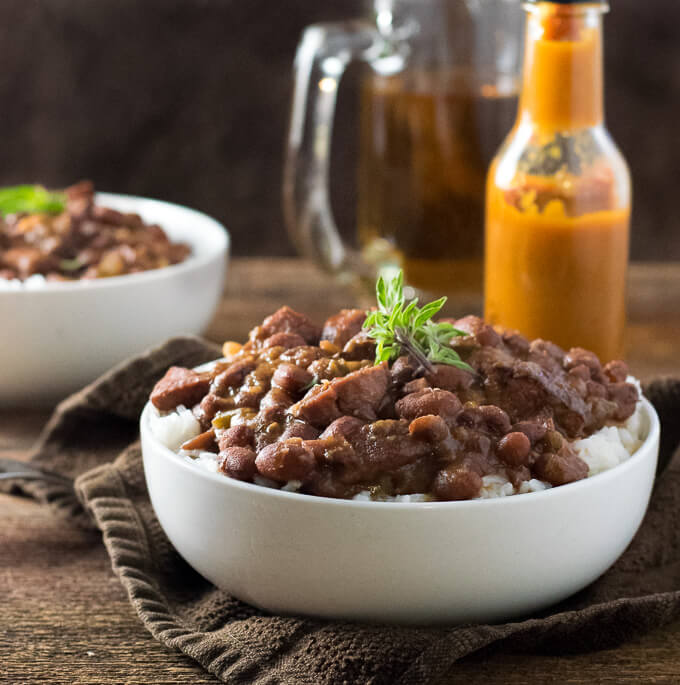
[626,396]
[616,371]
[457,483]
[578,356]
[559,469]
[429,401]
[291,378]
[514,448]
[284,461]
[429,428]
[232,376]
[236,436]
[495,418]
[238,462]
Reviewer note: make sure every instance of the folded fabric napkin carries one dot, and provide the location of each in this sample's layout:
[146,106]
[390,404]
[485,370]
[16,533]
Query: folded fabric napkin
[241,644]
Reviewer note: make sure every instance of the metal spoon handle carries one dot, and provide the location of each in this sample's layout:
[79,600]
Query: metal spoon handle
[11,469]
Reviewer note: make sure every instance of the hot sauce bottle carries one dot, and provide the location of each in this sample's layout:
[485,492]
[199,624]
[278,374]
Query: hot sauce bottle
[558,193]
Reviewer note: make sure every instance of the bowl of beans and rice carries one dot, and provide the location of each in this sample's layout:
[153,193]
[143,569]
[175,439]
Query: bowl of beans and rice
[107,277]
[301,476]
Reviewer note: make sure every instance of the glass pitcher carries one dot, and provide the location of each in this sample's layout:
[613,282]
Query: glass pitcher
[437,100]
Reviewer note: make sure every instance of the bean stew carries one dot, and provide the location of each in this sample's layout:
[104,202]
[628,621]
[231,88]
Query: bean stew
[82,240]
[298,403]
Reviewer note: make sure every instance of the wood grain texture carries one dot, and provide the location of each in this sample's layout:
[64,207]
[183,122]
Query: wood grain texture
[64,618]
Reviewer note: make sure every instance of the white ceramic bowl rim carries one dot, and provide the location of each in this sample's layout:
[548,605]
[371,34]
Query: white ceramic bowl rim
[597,480]
[191,262]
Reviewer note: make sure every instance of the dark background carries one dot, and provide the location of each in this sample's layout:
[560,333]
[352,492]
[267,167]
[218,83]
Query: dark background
[188,100]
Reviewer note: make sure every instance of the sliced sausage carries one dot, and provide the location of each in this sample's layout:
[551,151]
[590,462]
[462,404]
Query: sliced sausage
[342,326]
[287,320]
[179,386]
[360,393]
[287,340]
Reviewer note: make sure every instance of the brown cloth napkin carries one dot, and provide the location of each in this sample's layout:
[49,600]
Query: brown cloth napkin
[241,644]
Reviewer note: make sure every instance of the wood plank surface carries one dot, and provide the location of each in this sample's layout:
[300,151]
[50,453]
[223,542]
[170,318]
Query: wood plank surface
[64,618]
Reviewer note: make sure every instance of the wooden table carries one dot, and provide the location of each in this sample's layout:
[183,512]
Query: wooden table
[64,617]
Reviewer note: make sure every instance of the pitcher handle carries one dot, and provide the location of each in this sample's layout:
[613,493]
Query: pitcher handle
[321,59]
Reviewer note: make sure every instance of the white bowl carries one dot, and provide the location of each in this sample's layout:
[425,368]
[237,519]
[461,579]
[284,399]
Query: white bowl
[57,337]
[437,562]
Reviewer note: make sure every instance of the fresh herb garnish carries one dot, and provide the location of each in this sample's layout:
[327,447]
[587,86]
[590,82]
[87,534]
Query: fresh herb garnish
[400,328]
[28,199]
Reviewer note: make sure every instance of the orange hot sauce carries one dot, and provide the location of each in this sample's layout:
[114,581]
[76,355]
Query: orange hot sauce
[558,194]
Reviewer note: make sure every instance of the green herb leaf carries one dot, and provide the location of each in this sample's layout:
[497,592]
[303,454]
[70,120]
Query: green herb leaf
[404,328]
[28,199]
[70,264]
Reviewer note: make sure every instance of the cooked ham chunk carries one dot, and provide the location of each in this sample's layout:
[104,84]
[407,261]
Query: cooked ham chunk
[287,320]
[357,394]
[344,325]
[179,386]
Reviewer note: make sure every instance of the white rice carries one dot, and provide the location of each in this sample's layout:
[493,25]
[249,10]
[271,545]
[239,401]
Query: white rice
[608,447]
[175,428]
[34,282]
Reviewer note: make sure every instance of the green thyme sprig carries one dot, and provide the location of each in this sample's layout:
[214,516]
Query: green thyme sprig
[30,200]
[400,328]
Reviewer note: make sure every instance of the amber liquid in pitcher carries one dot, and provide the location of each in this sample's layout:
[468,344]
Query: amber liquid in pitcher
[426,142]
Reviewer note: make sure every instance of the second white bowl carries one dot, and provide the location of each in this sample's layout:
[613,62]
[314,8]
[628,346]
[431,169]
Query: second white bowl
[56,338]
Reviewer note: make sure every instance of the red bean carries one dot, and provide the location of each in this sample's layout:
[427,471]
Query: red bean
[300,429]
[577,356]
[616,371]
[514,448]
[429,428]
[429,401]
[232,376]
[238,462]
[580,371]
[495,418]
[457,483]
[237,436]
[284,461]
[291,378]
[626,396]
[559,469]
